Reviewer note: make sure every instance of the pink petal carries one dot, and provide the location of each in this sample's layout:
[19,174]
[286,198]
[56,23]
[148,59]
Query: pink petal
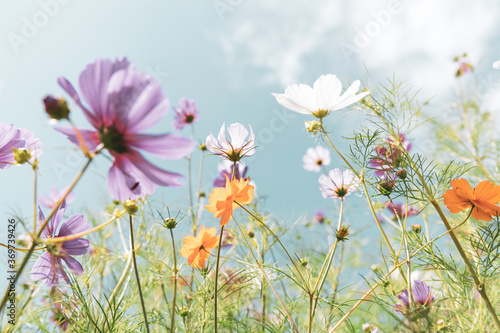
[91,138]
[68,87]
[75,224]
[73,265]
[76,247]
[168,146]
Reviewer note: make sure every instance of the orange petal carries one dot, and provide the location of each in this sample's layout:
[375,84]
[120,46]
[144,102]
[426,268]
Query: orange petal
[455,202]
[480,214]
[463,189]
[487,191]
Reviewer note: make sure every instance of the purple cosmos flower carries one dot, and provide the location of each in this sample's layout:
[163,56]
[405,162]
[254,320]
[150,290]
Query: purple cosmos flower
[49,267]
[315,158]
[390,156]
[421,295]
[401,210]
[235,149]
[226,169]
[185,114]
[54,197]
[337,184]
[20,139]
[122,104]
[320,99]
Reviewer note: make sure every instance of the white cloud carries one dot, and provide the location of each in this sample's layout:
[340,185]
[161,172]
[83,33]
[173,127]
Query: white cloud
[417,42]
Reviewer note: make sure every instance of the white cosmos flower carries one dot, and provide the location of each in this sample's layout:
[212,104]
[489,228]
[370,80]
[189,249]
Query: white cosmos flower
[337,184]
[315,158]
[496,64]
[237,147]
[322,98]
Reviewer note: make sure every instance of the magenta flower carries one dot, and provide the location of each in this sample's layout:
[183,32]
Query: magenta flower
[21,139]
[337,184]
[315,158]
[54,197]
[48,267]
[122,104]
[421,295]
[235,149]
[226,169]
[185,114]
[389,156]
[401,210]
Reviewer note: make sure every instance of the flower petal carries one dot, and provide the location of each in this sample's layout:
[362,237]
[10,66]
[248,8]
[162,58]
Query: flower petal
[168,146]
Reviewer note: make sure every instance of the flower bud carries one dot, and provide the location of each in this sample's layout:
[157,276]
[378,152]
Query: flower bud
[303,262]
[251,234]
[385,187]
[21,155]
[170,223]
[201,195]
[402,174]
[342,233]
[202,147]
[313,126]
[184,312]
[56,108]
[131,206]
[417,228]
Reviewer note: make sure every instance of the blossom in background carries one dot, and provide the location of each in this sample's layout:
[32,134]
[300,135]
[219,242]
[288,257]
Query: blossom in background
[496,64]
[315,158]
[463,65]
[235,149]
[482,199]
[21,140]
[227,239]
[122,104]
[185,114]
[225,168]
[48,266]
[401,210]
[390,156]
[322,98]
[421,295]
[54,197]
[197,249]
[337,184]
[222,199]
[369,328]
[319,216]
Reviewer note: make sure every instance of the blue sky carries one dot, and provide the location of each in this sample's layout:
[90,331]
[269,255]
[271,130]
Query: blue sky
[230,55]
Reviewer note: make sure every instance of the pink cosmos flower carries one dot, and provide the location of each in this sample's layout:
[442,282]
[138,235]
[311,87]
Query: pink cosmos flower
[185,114]
[54,197]
[237,147]
[389,156]
[337,184]
[401,210]
[315,158]
[421,295]
[319,216]
[122,104]
[49,267]
[21,139]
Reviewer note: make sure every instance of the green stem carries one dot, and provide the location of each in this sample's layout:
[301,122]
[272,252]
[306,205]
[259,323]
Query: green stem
[137,274]
[267,278]
[172,320]
[279,241]
[217,278]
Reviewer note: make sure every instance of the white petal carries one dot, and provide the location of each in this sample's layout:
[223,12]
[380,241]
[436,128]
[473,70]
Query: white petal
[237,133]
[496,64]
[290,104]
[222,140]
[327,91]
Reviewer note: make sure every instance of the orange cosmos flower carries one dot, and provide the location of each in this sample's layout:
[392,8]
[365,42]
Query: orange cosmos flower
[482,199]
[197,249]
[222,199]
